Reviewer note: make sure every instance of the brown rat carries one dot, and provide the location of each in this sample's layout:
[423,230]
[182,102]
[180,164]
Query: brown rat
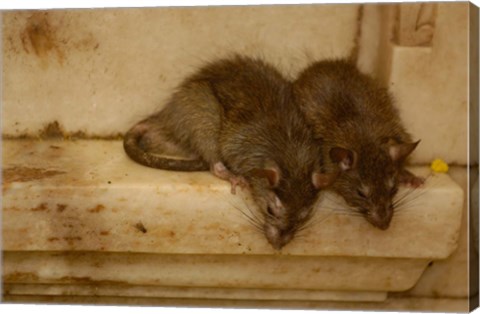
[236,117]
[361,133]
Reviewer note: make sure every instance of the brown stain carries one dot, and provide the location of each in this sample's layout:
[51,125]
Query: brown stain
[41,207]
[104,233]
[140,227]
[50,36]
[97,209]
[61,207]
[40,37]
[51,239]
[54,130]
[86,279]
[214,226]
[24,174]
[25,277]
[71,240]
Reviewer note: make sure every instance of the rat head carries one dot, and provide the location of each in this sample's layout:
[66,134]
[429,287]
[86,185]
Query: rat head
[287,199]
[368,180]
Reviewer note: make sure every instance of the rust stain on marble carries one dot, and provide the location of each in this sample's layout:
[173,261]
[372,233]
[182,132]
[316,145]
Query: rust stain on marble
[52,130]
[97,209]
[140,227]
[72,238]
[41,207]
[86,279]
[48,35]
[61,207]
[23,277]
[40,37]
[24,174]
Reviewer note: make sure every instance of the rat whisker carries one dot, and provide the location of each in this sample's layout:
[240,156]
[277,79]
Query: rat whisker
[413,191]
[252,212]
[316,219]
[350,211]
[403,212]
[408,200]
[350,214]
[251,220]
[334,200]
[408,196]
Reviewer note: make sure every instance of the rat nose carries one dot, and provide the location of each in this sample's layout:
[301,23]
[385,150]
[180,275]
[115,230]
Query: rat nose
[380,219]
[276,237]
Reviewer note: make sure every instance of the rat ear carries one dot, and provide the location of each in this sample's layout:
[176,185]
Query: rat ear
[345,158]
[401,151]
[270,172]
[323,180]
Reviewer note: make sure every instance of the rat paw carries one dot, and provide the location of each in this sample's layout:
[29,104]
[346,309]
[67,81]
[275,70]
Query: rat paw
[409,179]
[219,170]
[237,181]
[415,182]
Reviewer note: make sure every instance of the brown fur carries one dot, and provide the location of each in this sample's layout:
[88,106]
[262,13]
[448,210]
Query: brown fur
[357,123]
[238,112]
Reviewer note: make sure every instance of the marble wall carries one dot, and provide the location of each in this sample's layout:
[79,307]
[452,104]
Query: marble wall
[99,71]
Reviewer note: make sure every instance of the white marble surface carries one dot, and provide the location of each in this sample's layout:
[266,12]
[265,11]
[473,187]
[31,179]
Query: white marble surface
[192,293]
[214,271]
[118,65]
[87,195]
[433,82]
[441,305]
[450,277]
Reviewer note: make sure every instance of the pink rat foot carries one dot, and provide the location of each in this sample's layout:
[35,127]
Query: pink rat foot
[237,181]
[219,170]
[409,179]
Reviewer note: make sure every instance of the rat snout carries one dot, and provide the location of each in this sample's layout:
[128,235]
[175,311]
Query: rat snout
[276,237]
[380,218]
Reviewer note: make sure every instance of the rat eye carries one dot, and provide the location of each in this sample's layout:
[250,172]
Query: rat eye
[361,194]
[393,191]
[270,211]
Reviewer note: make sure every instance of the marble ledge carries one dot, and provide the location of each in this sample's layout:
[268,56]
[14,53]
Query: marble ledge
[323,273]
[191,292]
[87,195]
[441,305]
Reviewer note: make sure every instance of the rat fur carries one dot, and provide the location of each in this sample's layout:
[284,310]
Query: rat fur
[236,117]
[363,138]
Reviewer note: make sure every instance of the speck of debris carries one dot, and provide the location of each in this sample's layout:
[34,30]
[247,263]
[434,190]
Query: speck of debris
[109,182]
[141,227]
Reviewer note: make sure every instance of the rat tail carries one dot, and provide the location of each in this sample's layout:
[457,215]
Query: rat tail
[134,150]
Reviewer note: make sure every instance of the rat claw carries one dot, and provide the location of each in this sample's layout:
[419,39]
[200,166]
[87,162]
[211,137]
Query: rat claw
[409,179]
[237,181]
[219,170]
[415,182]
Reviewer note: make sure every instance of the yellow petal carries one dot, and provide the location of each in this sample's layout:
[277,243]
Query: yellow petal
[439,165]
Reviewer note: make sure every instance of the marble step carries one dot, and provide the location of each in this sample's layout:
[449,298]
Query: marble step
[226,271]
[128,291]
[396,304]
[80,212]
[87,195]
